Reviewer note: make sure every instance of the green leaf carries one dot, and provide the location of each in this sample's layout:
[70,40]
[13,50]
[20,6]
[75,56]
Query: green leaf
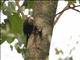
[5,33]
[7,37]
[11,47]
[6,11]
[23,38]
[58,51]
[13,26]
[18,48]
[11,6]
[16,26]
[10,9]
[10,39]
[16,23]
[2,39]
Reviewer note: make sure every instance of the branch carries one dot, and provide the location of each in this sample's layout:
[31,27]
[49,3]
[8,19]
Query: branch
[57,18]
[77,6]
[60,13]
[75,10]
[66,8]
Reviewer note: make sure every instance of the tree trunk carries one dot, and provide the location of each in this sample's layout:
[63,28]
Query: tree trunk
[38,46]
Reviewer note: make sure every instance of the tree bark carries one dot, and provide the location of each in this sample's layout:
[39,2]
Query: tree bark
[44,13]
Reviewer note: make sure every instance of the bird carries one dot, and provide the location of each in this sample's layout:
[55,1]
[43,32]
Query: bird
[29,28]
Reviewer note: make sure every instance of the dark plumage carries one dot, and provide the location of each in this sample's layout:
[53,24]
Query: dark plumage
[27,28]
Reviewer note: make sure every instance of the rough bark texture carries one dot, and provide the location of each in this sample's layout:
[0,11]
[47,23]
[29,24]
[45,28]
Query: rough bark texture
[38,47]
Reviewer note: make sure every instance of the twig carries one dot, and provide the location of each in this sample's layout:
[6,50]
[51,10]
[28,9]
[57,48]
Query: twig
[76,10]
[57,18]
[77,6]
[66,8]
[60,13]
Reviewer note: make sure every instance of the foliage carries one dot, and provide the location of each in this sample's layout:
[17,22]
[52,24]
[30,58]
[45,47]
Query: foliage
[13,26]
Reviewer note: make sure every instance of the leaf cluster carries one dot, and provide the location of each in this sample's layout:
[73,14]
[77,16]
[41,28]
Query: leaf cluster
[13,26]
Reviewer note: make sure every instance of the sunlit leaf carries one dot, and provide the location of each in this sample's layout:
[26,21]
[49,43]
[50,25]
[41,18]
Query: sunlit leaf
[12,27]
[11,6]
[22,8]
[10,39]
[8,10]
[11,47]
[5,10]
[16,23]
[7,37]
[58,51]
[16,26]
[18,48]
